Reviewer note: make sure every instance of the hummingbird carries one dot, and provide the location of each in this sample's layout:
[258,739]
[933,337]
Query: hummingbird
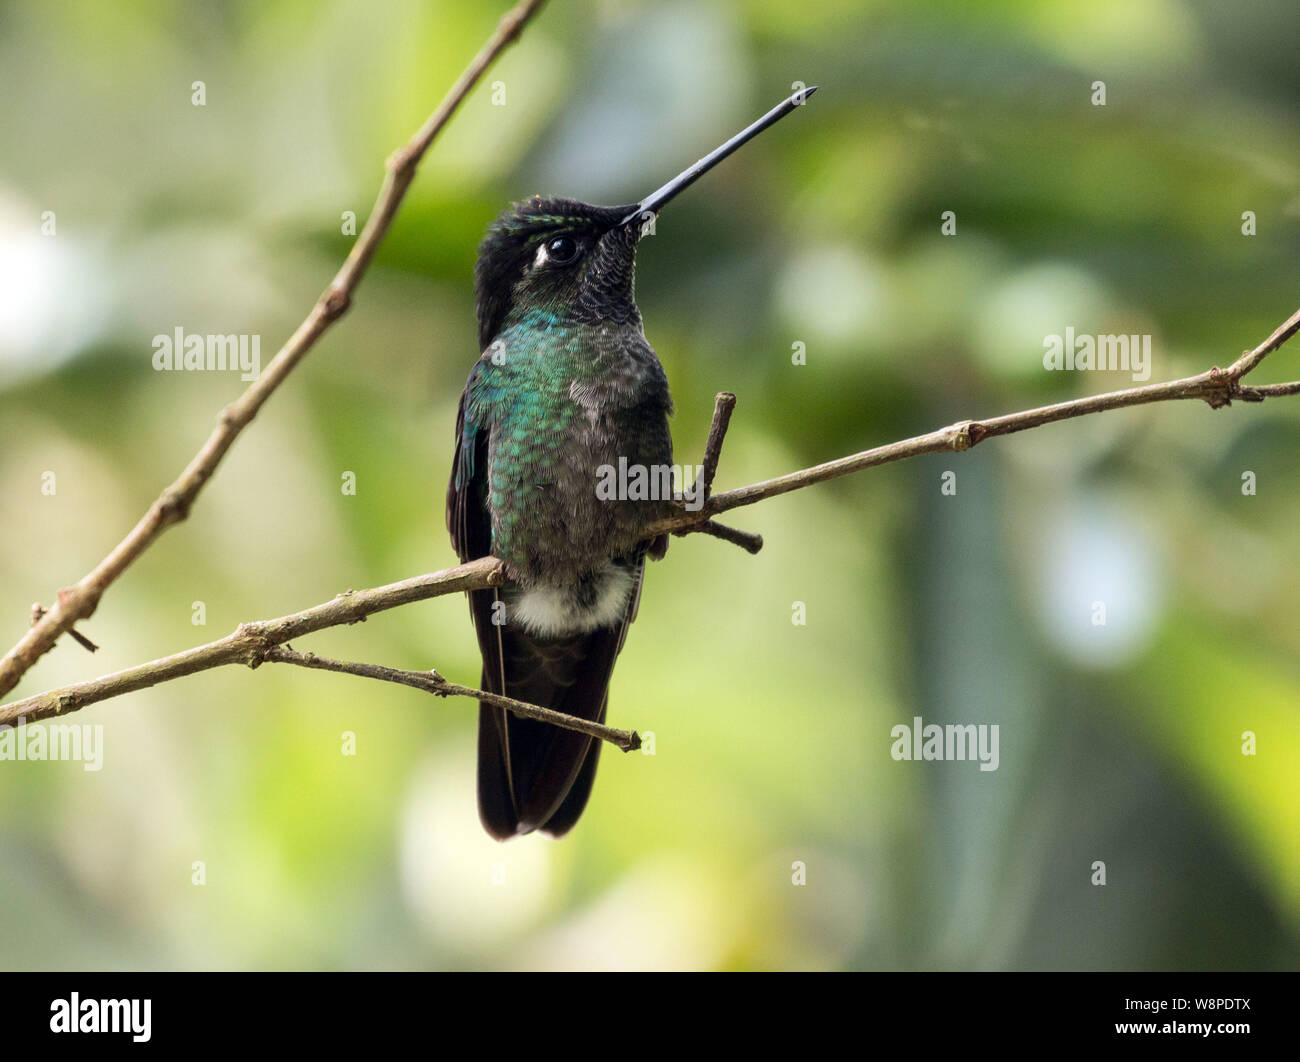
[566,388]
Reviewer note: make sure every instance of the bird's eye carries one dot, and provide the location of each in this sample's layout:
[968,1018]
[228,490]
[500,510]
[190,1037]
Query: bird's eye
[562,250]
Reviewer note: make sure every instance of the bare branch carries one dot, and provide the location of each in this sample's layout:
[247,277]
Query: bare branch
[254,643]
[749,541]
[432,682]
[38,610]
[1217,387]
[250,642]
[724,403]
[77,602]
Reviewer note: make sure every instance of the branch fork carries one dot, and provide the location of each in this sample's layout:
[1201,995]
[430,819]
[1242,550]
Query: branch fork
[723,405]
[266,641]
[173,505]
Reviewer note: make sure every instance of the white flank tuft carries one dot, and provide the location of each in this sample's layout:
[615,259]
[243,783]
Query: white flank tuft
[550,611]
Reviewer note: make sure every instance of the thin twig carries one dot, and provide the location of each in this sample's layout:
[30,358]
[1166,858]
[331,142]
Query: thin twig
[749,541]
[77,602]
[432,682]
[250,643]
[724,403]
[38,610]
[1216,387]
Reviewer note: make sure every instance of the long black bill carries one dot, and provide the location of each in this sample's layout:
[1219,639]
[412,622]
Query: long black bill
[656,199]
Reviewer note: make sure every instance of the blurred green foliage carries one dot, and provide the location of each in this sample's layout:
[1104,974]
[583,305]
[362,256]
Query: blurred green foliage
[1119,743]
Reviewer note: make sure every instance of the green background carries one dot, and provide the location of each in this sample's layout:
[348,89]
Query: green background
[1119,742]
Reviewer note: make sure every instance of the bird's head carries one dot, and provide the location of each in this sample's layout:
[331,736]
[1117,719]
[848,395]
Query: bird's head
[558,254]
[577,260]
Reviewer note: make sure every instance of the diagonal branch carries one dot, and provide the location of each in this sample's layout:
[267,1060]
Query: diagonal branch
[252,642]
[1216,387]
[432,682]
[75,603]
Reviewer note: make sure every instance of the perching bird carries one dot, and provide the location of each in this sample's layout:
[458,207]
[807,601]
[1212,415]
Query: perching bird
[566,389]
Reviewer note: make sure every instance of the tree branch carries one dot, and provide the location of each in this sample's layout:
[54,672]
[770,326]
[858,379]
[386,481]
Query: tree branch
[250,642]
[432,682]
[77,602]
[254,643]
[1217,387]
[724,403]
